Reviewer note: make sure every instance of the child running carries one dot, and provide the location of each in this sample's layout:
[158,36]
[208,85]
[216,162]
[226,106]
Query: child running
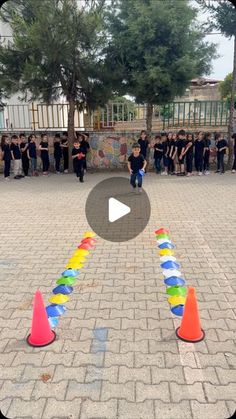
[136,162]
[78,156]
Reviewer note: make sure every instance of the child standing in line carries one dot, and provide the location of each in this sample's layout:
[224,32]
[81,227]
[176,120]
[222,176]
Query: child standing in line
[158,153]
[171,144]
[188,151]
[136,162]
[16,157]
[78,160]
[206,153]
[6,156]
[57,152]
[199,148]
[165,153]
[24,154]
[65,151]
[221,146]
[181,143]
[32,154]
[43,147]
[234,163]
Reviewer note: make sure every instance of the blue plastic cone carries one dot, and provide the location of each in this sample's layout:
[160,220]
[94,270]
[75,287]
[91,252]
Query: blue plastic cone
[63,289]
[174,280]
[70,272]
[170,265]
[55,310]
[178,310]
[166,245]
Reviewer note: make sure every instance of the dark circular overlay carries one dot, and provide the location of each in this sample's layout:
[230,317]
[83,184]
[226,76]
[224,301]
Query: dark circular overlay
[125,228]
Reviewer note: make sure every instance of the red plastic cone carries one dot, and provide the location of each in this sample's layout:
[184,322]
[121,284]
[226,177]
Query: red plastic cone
[190,328]
[162,231]
[89,240]
[41,333]
[85,246]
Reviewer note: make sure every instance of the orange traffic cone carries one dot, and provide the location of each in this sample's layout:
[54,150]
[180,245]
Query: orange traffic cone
[41,333]
[190,328]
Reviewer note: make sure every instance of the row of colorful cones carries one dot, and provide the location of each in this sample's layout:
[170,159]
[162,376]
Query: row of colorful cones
[190,328]
[45,319]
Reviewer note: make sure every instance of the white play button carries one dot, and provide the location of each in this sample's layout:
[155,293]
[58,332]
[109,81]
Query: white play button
[116,210]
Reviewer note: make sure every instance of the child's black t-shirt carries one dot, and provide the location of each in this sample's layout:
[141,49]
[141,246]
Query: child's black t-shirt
[44,144]
[143,146]
[199,147]
[32,150]
[190,149]
[57,149]
[207,142]
[172,145]
[16,151]
[136,163]
[180,145]
[84,145]
[220,144]
[165,147]
[24,153]
[7,152]
[158,154]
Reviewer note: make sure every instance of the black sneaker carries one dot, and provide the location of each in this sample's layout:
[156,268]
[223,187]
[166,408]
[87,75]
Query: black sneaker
[17,177]
[21,176]
[217,171]
[81,180]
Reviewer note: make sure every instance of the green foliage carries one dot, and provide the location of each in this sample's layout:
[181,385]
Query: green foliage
[156,48]
[223,14]
[56,49]
[225,86]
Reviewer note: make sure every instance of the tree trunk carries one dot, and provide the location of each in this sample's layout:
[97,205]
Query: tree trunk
[231,114]
[149,119]
[71,129]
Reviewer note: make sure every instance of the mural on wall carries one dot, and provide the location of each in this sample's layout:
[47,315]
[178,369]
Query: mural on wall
[109,151]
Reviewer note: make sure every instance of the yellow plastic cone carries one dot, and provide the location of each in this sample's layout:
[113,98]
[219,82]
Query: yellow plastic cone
[164,252]
[82,252]
[175,300]
[89,234]
[59,299]
[74,265]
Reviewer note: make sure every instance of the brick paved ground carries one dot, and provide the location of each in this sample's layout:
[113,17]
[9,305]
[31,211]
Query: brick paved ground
[134,367]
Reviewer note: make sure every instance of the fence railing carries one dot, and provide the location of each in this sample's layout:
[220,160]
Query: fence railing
[30,117]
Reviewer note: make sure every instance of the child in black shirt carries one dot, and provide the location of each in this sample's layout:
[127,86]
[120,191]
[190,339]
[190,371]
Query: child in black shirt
[165,147]
[206,153]
[188,151]
[234,163]
[158,153]
[221,147]
[16,157]
[86,147]
[43,147]
[24,154]
[199,148]
[32,154]
[180,151]
[136,162]
[57,152]
[65,151]
[6,156]
[78,156]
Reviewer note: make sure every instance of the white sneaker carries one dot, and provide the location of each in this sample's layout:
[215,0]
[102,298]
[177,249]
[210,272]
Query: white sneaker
[57,173]
[140,190]
[65,171]
[7,179]
[233,171]
[199,173]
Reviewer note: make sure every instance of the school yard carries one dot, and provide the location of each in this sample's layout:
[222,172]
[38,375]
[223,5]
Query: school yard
[116,353]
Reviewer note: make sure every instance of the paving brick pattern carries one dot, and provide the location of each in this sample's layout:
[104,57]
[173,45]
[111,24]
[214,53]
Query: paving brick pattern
[136,369]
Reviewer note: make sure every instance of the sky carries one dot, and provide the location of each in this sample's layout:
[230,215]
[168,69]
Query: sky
[224,64]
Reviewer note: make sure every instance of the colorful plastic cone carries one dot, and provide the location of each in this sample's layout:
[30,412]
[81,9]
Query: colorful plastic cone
[166,245]
[174,280]
[70,272]
[41,333]
[171,272]
[55,310]
[162,236]
[66,280]
[160,241]
[59,299]
[85,246]
[63,289]
[89,240]
[166,258]
[170,265]
[80,258]
[164,252]
[82,252]
[177,310]
[176,290]
[175,300]
[89,234]
[53,321]
[190,328]
[162,230]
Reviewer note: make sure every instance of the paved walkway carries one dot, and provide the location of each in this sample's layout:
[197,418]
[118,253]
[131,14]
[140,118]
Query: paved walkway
[117,355]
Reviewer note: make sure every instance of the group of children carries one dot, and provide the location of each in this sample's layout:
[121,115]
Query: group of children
[22,153]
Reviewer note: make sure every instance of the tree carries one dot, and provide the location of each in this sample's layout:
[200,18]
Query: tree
[56,50]
[223,14]
[157,48]
[225,86]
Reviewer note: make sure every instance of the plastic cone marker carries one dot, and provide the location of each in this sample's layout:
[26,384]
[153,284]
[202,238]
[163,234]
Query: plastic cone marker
[66,280]
[176,290]
[174,280]
[160,241]
[166,258]
[85,246]
[70,272]
[162,230]
[164,252]
[89,240]
[55,310]
[171,272]
[82,252]
[62,289]
[41,333]
[166,245]
[74,265]
[89,234]
[162,236]
[177,310]
[170,265]
[53,321]
[80,258]
[190,328]
[59,299]
[176,299]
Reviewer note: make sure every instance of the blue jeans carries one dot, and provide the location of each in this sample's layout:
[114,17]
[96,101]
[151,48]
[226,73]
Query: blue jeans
[158,165]
[133,178]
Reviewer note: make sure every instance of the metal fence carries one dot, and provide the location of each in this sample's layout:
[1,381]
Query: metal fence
[39,117]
